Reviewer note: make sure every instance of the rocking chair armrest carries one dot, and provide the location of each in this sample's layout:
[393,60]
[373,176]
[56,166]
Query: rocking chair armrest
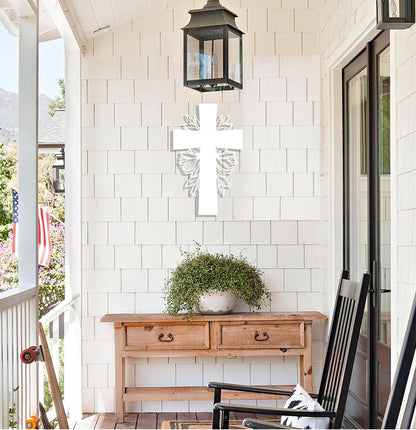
[261,424]
[230,407]
[252,389]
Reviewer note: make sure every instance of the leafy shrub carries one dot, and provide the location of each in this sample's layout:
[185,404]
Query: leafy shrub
[8,161]
[8,265]
[51,279]
[202,272]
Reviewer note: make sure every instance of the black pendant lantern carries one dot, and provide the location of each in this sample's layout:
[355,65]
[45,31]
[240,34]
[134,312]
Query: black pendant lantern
[395,14]
[213,49]
[59,173]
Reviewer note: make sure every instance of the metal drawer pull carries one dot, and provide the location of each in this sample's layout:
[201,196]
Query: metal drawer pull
[169,337]
[265,337]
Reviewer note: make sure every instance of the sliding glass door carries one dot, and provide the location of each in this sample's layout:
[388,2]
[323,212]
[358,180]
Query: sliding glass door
[367,228]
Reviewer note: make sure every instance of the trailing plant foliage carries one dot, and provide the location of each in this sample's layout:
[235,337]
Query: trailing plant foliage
[12,411]
[202,272]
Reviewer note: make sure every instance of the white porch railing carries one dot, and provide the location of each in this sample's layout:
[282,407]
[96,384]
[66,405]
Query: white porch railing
[18,381]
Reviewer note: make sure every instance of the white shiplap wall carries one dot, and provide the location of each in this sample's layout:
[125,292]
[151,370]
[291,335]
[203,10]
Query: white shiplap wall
[137,216]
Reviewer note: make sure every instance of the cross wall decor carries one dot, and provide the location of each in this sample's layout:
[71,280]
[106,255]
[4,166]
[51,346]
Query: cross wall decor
[207,156]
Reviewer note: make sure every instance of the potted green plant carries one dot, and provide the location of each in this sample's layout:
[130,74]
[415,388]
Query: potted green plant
[201,276]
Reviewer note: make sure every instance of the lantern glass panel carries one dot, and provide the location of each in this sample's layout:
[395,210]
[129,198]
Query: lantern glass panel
[61,176]
[234,57]
[192,61]
[59,179]
[205,53]
[394,8]
[212,58]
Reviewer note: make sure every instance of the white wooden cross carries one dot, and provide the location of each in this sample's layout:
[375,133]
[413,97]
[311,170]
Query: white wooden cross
[207,139]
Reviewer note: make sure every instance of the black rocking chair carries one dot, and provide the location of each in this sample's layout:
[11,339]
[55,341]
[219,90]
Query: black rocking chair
[399,407]
[400,411]
[339,360]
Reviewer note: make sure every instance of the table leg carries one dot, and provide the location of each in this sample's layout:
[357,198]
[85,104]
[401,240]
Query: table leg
[306,361]
[120,380]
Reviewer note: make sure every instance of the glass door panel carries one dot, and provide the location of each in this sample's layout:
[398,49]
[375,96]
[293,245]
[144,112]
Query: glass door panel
[384,320]
[383,286]
[367,225]
[358,178]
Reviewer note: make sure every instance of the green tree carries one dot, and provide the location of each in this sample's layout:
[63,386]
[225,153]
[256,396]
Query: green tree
[59,102]
[8,161]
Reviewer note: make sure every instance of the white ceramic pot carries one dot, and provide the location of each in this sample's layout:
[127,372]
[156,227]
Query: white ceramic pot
[217,303]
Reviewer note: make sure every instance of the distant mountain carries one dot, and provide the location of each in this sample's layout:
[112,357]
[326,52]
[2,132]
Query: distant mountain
[9,110]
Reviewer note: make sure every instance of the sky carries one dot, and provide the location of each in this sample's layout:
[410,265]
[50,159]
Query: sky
[51,64]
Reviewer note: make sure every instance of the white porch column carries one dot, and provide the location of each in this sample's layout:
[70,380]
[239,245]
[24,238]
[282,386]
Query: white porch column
[28,174]
[28,152]
[73,363]
[74,41]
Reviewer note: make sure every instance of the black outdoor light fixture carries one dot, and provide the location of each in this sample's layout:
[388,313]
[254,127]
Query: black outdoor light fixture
[395,14]
[213,49]
[59,173]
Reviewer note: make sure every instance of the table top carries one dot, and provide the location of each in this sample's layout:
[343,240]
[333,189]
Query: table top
[241,316]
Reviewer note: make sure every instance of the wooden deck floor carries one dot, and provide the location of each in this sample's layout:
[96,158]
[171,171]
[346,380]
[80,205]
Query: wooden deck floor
[145,420]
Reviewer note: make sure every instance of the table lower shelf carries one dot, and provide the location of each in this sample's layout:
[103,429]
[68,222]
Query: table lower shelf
[196,393]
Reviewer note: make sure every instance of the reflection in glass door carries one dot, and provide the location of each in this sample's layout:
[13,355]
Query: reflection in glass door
[356,208]
[384,229]
[358,179]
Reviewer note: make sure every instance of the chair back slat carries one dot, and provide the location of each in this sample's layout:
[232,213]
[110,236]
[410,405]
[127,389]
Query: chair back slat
[342,346]
[339,355]
[334,364]
[402,398]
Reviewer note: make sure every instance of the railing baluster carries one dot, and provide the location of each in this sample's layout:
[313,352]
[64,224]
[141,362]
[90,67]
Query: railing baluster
[15,361]
[2,423]
[4,369]
[19,350]
[18,331]
[9,358]
[25,345]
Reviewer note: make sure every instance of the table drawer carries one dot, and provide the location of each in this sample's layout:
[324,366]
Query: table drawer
[261,336]
[159,337]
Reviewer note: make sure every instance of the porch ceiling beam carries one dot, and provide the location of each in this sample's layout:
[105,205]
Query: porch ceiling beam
[66,20]
[25,8]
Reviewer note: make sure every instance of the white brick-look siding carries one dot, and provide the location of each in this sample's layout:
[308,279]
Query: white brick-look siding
[137,216]
[405,155]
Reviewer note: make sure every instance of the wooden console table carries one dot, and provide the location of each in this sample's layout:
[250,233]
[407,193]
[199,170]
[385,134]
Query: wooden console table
[243,334]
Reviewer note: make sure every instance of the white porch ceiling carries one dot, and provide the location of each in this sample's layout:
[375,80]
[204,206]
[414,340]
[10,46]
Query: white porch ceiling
[9,16]
[85,16]
[94,14]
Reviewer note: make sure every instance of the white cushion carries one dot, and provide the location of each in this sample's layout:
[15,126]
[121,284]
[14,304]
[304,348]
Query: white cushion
[300,399]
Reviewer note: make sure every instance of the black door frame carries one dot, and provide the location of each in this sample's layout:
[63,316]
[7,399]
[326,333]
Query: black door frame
[367,59]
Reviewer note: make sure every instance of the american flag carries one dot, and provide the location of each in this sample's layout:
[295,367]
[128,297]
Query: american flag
[44,239]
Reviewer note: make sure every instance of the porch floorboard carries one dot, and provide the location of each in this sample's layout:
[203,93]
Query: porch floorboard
[151,420]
